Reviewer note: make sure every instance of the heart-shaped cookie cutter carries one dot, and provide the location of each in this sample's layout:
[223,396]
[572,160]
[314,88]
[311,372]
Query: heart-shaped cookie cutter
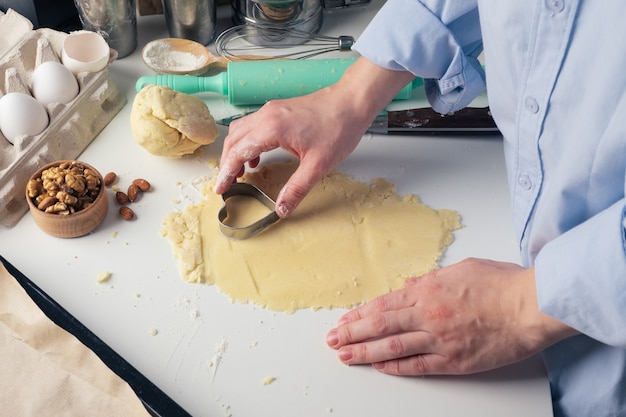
[245,232]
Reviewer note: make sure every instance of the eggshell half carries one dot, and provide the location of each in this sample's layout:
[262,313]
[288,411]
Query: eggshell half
[85,51]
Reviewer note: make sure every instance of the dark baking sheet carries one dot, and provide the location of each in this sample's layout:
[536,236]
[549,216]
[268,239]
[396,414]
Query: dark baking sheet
[156,401]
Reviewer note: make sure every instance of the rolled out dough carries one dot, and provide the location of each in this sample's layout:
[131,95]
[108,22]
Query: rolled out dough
[347,243]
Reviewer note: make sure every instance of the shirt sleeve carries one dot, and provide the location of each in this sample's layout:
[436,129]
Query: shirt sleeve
[437,40]
[581,277]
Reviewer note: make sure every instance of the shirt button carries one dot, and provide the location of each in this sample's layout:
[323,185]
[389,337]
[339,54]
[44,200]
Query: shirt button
[531,105]
[555,5]
[524,182]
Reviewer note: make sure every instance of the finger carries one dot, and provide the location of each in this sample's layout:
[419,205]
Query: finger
[411,281]
[395,300]
[237,130]
[296,188]
[425,364]
[254,162]
[225,178]
[374,326]
[231,165]
[388,348]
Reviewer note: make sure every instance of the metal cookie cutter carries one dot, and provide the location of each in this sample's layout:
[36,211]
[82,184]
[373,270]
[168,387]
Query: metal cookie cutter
[239,233]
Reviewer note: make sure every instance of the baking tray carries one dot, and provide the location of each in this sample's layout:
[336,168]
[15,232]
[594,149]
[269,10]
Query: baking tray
[156,402]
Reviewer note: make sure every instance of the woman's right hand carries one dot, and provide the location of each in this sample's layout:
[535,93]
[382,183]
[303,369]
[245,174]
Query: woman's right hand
[320,129]
[311,128]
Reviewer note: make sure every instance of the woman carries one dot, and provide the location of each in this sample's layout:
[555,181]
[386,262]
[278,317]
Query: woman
[565,149]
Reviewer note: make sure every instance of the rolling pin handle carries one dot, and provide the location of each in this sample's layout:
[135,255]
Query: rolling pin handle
[187,84]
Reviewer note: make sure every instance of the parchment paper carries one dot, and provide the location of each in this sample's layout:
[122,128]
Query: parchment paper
[46,371]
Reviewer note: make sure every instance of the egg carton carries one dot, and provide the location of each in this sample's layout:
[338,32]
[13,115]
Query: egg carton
[72,126]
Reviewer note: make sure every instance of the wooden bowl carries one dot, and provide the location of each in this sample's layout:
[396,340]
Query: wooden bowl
[78,223]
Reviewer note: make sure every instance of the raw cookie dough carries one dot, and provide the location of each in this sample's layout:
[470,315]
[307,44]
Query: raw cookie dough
[169,123]
[347,243]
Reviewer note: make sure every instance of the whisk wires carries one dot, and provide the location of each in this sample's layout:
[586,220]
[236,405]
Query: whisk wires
[285,43]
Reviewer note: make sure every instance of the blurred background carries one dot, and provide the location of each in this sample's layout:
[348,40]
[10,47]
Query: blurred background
[55,14]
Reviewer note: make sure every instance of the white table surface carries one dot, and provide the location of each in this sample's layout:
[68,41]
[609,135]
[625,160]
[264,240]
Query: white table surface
[211,356]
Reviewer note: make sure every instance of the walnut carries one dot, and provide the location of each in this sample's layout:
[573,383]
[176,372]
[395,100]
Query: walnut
[58,208]
[34,187]
[50,183]
[67,198]
[93,183]
[64,189]
[77,183]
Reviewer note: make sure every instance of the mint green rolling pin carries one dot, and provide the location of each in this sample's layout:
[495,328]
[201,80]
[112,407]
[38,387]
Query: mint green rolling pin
[256,82]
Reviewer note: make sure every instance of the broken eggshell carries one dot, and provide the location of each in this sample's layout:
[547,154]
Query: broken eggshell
[84,50]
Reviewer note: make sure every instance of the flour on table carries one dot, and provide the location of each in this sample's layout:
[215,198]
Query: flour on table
[347,243]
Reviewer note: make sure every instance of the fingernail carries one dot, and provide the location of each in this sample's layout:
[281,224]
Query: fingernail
[410,281]
[345,354]
[219,182]
[331,338]
[378,365]
[283,209]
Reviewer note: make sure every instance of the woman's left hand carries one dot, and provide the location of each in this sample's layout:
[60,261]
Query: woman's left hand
[470,317]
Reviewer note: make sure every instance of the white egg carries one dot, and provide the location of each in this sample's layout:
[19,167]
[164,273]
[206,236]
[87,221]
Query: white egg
[21,114]
[53,83]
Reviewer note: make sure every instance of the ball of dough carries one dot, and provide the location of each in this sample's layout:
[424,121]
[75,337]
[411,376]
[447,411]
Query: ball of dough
[169,123]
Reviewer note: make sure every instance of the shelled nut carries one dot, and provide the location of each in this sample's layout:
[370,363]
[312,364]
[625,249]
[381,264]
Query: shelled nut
[127,213]
[109,179]
[133,192]
[142,184]
[121,197]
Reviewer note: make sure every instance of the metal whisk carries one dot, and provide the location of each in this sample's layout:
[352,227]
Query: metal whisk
[278,42]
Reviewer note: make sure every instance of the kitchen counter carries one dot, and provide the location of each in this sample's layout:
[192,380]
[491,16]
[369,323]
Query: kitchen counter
[213,356]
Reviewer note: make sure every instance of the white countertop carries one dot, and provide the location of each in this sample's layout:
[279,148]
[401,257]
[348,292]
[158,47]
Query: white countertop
[212,356]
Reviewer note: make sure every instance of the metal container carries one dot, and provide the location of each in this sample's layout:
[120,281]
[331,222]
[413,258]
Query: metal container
[191,19]
[115,20]
[304,15]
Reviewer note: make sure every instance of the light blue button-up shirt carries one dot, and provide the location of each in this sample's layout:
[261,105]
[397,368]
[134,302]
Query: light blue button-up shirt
[556,77]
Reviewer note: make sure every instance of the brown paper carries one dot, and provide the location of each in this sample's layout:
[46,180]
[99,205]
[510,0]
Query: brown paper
[46,371]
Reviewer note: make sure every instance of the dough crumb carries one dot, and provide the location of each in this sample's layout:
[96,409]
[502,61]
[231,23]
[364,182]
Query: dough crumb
[153,332]
[103,277]
[269,380]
